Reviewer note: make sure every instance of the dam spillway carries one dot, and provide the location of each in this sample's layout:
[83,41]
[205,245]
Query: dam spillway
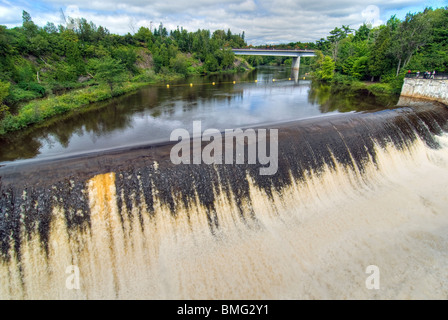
[351,191]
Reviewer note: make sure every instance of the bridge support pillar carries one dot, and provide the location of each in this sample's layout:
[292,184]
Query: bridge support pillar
[295,68]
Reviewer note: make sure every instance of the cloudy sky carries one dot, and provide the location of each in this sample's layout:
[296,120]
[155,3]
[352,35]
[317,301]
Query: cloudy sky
[264,21]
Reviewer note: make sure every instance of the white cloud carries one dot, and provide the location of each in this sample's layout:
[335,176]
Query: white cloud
[9,14]
[264,21]
[246,6]
[5,13]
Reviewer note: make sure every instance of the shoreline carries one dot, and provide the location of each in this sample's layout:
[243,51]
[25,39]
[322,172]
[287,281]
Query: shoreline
[42,112]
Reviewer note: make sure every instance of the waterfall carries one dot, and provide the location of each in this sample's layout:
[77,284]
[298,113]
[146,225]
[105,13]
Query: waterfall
[351,191]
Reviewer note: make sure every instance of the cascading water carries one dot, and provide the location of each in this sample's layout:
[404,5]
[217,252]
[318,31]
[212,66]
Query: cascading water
[351,191]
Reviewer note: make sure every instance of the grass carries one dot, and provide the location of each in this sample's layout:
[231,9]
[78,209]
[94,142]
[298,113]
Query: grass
[38,111]
[343,82]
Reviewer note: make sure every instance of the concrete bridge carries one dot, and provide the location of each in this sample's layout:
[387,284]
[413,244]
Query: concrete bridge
[295,54]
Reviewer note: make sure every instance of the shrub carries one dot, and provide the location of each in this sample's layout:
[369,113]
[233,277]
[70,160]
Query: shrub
[32,86]
[380,88]
[19,94]
[147,76]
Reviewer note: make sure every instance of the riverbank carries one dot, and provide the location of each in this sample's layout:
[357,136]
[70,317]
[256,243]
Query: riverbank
[40,110]
[344,83]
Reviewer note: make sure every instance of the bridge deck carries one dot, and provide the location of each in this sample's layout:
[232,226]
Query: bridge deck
[272,52]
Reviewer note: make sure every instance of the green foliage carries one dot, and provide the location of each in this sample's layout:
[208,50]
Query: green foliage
[180,64]
[19,94]
[39,110]
[127,56]
[324,67]
[211,63]
[5,46]
[144,36]
[146,76]
[409,36]
[4,91]
[227,59]
[418,42]
[327,69]
[360,67]
[380,88]
[32,86]
[30,29]
[109,71]
[380,61]
[255,60]
[362,34]
[65,73]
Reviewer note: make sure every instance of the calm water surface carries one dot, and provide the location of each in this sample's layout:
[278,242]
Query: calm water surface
[152,113]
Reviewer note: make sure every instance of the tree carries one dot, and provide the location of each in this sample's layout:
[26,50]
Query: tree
[127,56]
[337,34]
[4,92]
[180,64]
[327,69]
[5,46]
[50,28]
[380,61]
[410,35]
[434,55]
[144,35]
[227,59]
[360,67]
[323,67]
[38,45]
[109,71]
[101,34]
[28,25]
[86,31]
[211,63]
[362,33]
[72,51]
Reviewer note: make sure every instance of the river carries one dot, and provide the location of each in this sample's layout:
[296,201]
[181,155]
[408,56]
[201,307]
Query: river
[152,113]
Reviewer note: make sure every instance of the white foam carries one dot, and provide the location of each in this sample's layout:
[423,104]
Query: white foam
[314,240]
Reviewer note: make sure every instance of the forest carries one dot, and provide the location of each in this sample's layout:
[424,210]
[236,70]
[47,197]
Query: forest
[384,54]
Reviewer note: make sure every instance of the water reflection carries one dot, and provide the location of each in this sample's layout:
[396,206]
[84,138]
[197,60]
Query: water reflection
[150,114]
[330,100]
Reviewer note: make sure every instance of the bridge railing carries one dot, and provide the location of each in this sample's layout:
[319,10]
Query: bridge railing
[273,49]
[422,75]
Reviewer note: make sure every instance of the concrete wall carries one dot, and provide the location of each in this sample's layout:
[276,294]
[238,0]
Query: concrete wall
[435,90]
